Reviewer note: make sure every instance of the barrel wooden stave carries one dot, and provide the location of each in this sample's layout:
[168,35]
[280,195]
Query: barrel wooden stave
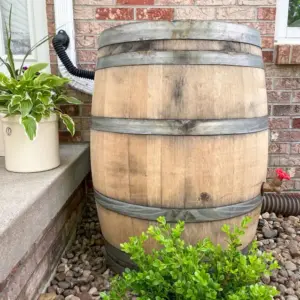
[180,92]
[116,229]
[179,171]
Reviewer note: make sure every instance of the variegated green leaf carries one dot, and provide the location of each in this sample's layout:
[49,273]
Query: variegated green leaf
[16,99]
[40,108]
[25,107]
[30,125]
[68,121]
[12,109]
[32,70]
[71,100]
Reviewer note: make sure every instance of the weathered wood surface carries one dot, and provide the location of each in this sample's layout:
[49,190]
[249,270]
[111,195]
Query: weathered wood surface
[181,171]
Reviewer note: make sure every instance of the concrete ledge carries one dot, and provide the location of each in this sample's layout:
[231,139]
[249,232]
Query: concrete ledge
[29,202]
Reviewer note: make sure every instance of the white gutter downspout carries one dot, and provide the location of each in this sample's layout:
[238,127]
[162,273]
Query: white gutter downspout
[64,19]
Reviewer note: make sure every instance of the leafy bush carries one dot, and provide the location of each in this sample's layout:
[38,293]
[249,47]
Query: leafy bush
[204,271]
[29,93]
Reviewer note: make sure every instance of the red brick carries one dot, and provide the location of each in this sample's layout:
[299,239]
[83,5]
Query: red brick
[256,2]
[267,56]
[174,2]
[279,123]
[270,109]
[287,136]
[54,69]
[266,28]
[65,136]
[50,12]
[236,13]
[295,109]
[269,83]
[273,70]
[114,14]
[266,13]
[267,42]
[283,54]
[279,96]
[295,148]
[296,96]
[93,27]
[135,2]
[295,54]
[290,160]
[155,14]
[85,42]
[84,12]
[86,110]
[279,148]
[87,55]
[94,2]
[296,123]
[194,13]
[282,110]
[71,110]
[287,83]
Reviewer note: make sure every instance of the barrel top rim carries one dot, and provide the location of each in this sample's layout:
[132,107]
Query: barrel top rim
[179,30]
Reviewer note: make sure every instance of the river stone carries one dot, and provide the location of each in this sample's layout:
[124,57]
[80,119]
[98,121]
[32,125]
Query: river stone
[290,266]
[269,233]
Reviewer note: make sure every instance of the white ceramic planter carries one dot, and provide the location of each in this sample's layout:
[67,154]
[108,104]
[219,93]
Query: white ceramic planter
[1,136]
[24,155]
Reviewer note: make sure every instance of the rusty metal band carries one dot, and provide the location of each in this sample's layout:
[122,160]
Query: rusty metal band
[172,215]
[180,127]
[180,30]
[118,259]
[180,58]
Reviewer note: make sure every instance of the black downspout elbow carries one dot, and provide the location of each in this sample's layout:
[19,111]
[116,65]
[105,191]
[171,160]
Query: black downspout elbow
[60,42]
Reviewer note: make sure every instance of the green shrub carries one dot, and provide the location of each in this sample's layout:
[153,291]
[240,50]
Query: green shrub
[205,271]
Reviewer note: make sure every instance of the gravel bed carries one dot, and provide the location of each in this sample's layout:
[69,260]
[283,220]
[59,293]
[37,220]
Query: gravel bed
[83,274]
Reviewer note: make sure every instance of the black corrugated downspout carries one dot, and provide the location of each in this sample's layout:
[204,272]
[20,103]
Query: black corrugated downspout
[281,204]
[60,43]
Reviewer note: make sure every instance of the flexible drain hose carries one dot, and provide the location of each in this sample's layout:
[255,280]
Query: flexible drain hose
[63,56]
[283,204]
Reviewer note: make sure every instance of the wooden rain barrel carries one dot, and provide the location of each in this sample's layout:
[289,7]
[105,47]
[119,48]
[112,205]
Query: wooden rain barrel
[179,129]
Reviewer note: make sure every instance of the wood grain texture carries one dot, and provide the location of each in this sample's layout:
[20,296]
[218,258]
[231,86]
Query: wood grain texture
[179,45]
[127,227]
[180,92]
[179,171]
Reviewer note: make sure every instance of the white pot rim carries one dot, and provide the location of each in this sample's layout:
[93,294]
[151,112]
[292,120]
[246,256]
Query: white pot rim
[16,119]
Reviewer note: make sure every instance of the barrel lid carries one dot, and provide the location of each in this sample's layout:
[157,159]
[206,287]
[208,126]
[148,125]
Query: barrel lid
[180,30]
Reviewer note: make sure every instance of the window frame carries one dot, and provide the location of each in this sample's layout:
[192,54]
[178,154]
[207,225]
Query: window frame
[38,29]
[283,33]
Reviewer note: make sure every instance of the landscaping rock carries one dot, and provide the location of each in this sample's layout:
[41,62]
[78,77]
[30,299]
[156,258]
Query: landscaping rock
[285,246]
[269,233]
[47,296]
[82,273]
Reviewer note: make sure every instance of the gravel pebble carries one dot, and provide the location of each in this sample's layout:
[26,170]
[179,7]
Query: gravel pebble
[82,273]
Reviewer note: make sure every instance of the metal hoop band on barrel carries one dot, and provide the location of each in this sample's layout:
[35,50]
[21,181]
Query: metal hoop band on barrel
[180,30]
[172,215]
[180,127]
[180,58]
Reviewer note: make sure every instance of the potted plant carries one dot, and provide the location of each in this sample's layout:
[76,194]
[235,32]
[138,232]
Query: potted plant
[30,100]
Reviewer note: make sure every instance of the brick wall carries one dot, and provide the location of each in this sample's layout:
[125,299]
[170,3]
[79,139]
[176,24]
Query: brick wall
[283,81]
